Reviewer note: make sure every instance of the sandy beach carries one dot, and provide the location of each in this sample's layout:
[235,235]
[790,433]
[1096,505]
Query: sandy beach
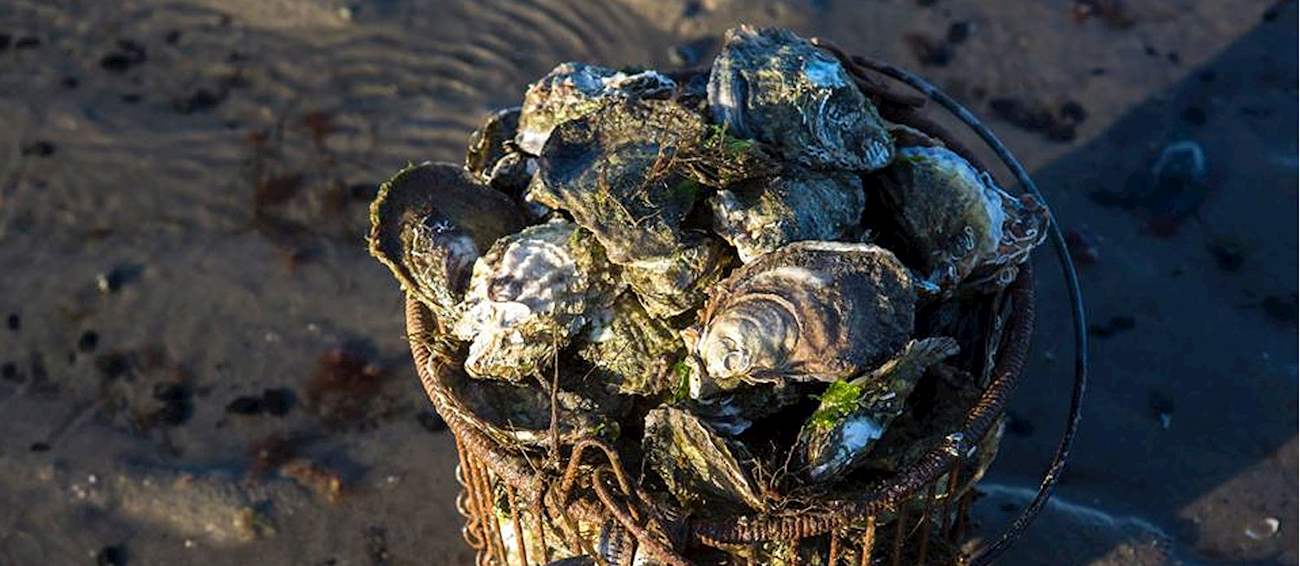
[199,362]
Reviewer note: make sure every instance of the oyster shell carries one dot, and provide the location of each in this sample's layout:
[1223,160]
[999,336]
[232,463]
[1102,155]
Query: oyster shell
[773,86]
[693,460]
[633,350]
[428,225]
[672,285]
[494,159]
[761,215]
[808,311]
[528,295]
[854,414]
[965,228]
[571,90]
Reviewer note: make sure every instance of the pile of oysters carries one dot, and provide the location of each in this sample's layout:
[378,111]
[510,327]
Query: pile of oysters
[746,280]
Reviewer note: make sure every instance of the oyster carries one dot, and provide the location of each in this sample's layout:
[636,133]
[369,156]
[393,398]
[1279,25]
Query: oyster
[965,228]
[761,215]
[693,460]
[773,86]
[854,414]
[494,159]
[572,90]
[634,350]
[672,285]
[808,311]
[429,224]
[528,295]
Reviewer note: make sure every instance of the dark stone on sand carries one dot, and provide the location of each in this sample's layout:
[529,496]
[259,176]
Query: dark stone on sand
[5,40]
[430,420]
[14,322]
[127,55]
[71,82]
[9,371]
[28,42]
[88,341]
[1115,325]
[39,447]
[39,148]
[959,32]
[111,555]
[112,365]
[278,401]
[1073,111]
[246,405]
[1228,255]
[201,100]
[172,37]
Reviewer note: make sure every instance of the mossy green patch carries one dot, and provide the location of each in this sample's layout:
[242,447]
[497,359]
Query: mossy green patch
[840,400]
[681,389]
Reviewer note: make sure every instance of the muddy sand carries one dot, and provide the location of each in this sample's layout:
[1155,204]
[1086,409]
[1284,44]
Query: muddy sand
[199,362]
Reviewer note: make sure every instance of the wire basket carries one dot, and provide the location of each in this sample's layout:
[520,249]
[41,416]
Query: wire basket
[582,502]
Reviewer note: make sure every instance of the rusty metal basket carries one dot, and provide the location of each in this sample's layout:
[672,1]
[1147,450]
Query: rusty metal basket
[582,501]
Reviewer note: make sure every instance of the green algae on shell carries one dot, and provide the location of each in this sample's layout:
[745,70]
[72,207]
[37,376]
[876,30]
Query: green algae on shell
[760,215]
[854,414]
[696,463]
[429,223]
[963,228]
[773,86]
[529,295]
[819,311]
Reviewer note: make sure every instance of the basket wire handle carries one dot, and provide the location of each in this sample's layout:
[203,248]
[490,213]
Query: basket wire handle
[1053,473]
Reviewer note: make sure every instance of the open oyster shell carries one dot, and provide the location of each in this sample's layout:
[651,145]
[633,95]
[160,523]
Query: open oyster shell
[633,350]
[528,295]
[854,414]
[773,86]
[429,224]
[693,460]
[808,311]
[965,229]
[572,90]
[760,215]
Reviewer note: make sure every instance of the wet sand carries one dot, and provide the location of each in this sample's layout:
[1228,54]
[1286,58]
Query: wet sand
[199,361]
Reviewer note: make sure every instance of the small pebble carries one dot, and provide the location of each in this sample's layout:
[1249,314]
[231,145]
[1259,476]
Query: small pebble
[28,42]
[88,341]
[958,32]
[5,39]
[39,447]
[245,405]
[278,402]
[14,322]
[112,555]
[39,148]
[9,371]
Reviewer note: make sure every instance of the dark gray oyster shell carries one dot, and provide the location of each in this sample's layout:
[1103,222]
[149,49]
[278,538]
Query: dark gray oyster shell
[820,311]
[965,229]
[672,285]
[494,159]
[854,414]
[429,224]
[529,295]
[695,461]
[760,215]
[633,350]
[775,87]
[572,90]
